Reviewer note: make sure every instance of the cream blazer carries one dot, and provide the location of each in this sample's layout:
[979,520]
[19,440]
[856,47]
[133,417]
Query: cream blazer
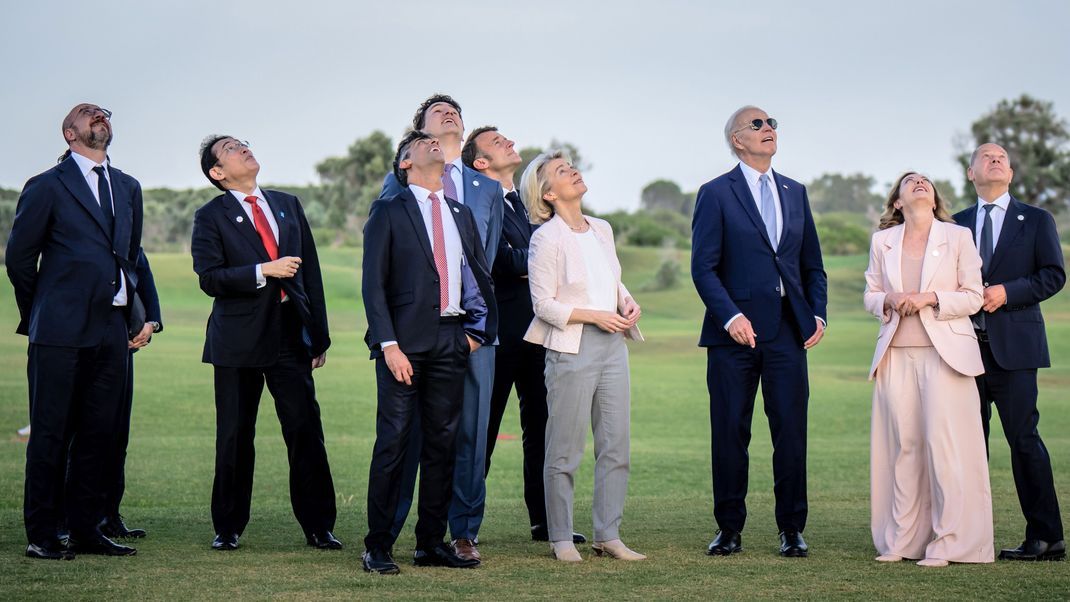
[952,269]
[558,278]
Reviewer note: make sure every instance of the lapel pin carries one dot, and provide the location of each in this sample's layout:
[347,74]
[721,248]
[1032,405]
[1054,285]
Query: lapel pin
[785,186]
[240,219]
[1021,217]
[475,182]
[456,210]
[282,214]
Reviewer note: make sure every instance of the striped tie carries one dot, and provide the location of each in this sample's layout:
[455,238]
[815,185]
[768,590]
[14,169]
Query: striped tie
[439,248]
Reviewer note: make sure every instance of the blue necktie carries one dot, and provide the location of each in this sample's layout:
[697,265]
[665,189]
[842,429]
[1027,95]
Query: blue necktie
[768,210]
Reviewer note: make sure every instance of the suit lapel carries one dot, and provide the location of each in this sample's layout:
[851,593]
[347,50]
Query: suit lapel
[243,225]
[120,197]
[282,220]
[746,200]
[471,185]
[1012,225]
[787,207]
[412,209]
[463,230]
[893,260]
[970,217]
[935,252]
[516,222]
[75,182]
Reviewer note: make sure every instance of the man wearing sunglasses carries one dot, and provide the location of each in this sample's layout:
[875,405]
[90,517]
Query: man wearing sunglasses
[254,253]
[756,263]
[71,258]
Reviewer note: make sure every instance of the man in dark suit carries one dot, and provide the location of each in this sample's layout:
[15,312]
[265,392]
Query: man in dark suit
[756,262]
[254,253]
[425,287]
[1022,266]
[440,116]
[516,361]
[82,221]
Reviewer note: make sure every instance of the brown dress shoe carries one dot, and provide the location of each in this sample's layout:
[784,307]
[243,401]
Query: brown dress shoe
[466,549]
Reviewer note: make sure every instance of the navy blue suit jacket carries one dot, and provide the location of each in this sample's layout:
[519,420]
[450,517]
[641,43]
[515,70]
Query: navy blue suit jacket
[1028,262]
[511,288]
[65,300]
[245,324]
[482,195]
[736,270]
[400,283]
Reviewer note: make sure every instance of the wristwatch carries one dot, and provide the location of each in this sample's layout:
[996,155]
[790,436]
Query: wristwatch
[155,326]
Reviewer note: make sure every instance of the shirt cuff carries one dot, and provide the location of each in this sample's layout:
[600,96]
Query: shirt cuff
[732,319]
[386,344]
[261,280]
[824,324]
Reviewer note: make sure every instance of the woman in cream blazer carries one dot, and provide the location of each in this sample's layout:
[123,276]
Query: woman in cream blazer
[583,312]
[930,497]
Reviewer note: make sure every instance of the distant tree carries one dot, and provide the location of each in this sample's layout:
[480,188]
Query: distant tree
[352,182]
[851,193]
[666,195]
[1038,142]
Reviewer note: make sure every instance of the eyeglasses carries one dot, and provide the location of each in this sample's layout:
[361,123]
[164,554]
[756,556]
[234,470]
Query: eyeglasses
[756,124]
[92,111]
[234,145]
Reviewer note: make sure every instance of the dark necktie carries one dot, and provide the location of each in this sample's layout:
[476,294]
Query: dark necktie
[518,207]
[987,248]
[104,196]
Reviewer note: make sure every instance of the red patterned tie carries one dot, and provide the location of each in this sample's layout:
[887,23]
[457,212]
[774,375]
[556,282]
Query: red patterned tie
[263,228]
[439,247]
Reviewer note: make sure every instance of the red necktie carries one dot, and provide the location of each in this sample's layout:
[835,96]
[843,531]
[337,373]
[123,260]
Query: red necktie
[439,248]
[263,228]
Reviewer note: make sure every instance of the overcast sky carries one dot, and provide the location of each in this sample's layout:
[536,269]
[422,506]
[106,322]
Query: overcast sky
[642,88]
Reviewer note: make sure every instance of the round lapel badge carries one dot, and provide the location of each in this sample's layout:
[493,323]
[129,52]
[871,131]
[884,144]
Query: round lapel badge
[1021,217]
[239,219]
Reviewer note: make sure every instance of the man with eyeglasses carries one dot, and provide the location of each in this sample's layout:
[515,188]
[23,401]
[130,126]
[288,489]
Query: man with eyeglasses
[71,258]
[255,256]
[756,263]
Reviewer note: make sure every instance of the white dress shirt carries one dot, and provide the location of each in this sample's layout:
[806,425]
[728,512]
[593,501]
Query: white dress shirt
[999,213]
[86,165]
[261,280]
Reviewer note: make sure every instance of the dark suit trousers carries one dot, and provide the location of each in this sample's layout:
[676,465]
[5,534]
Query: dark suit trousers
[75,395]
[733,373]
[115,471]
[237,398]
[1015,394]
[435,396]
[523,363]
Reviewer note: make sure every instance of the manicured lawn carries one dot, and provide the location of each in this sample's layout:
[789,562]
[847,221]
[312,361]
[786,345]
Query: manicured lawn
[668,514]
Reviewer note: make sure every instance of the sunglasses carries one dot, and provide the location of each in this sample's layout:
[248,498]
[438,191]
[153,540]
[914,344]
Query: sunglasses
[756,124]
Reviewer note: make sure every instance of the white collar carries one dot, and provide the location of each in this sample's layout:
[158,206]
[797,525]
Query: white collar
[1002,201]
[241,195]
[85,164]
[422,193]
[752,174]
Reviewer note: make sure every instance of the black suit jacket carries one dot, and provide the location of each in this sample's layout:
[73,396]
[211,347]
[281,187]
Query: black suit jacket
[64,300]
[400,282]
[244,327]
[1028,262]
[511,288]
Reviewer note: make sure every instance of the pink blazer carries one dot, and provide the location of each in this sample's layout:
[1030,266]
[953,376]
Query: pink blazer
[558,279]
[951,269]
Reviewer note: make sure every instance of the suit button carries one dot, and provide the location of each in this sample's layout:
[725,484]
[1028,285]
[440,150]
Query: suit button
[113,283]
[986,284]
[777,289]
[434,307]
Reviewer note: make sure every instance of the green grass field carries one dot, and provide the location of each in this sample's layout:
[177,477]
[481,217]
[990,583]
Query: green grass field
[669,512]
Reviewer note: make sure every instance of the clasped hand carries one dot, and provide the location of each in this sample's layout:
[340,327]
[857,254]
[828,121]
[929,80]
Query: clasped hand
[283,267]
[611,321]
[908,304]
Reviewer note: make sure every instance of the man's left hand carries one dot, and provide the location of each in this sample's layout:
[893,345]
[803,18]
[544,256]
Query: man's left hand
[995,298]
[816,337]
[317,362]
[143,338]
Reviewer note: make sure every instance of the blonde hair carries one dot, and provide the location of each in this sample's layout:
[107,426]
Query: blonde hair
[536,182]
[893,217]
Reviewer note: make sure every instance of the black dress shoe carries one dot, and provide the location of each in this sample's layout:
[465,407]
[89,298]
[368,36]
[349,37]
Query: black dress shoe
[379,561]
[541,533]
[99,544]
[1035,549]
[225,541]
[324,540]
[727,542]
[792,545]
[50,550]
[442,555]
[114,527]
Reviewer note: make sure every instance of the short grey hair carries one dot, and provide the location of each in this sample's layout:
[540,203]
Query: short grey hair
[730,126]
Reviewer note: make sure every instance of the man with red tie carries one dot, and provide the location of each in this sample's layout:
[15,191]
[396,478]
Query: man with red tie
[254,253]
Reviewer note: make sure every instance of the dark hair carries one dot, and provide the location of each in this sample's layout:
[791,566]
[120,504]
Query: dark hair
[893,217]
[469,152]
[418,118]
[403,153]
[209,158]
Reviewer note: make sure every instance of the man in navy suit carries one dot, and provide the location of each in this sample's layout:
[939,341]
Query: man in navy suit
[254,253]
[517,362]
[756,263]
[440,116]
[71,258]
[1022,266]
[425,287]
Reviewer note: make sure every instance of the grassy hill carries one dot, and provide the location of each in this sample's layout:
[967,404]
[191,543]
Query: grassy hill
[668,513]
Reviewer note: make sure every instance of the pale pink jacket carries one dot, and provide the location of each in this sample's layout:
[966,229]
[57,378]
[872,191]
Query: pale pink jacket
[558,278]
[952,269]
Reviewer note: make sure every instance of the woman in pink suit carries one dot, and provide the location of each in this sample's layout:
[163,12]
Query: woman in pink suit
[930,497]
